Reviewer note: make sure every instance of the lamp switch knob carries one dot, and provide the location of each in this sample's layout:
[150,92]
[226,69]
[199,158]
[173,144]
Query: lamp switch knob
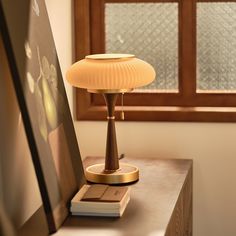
[122,115]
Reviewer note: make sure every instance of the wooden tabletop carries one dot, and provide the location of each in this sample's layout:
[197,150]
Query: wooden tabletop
[153,199]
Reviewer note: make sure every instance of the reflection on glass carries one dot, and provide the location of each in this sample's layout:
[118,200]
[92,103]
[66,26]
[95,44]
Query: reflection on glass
[150,32]
[216,47]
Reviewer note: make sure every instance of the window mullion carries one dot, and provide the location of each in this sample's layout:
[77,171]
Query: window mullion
[187,50]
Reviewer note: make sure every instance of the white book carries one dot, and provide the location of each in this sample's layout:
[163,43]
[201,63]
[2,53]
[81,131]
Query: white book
[102,213]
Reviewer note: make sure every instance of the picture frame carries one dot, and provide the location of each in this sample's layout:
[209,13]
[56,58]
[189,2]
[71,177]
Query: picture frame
[21,207]
[42,99]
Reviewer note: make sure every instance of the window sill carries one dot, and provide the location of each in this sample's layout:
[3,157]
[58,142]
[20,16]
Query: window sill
[162,113]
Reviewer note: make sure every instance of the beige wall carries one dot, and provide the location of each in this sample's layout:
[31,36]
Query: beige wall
[212,146]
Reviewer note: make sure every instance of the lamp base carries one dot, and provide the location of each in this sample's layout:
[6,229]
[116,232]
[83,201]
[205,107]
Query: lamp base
[126,174]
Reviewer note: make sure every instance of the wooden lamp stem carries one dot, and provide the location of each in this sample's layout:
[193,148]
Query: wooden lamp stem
[112,172]
[111,159]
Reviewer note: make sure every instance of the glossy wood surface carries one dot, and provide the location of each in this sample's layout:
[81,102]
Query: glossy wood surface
[161,203]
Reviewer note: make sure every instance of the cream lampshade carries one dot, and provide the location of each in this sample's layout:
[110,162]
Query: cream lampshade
[111,74]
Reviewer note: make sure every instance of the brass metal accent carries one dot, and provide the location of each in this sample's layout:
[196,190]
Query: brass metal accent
[110,117]
[122,115]
[109,90]
[114,56]
[125,174]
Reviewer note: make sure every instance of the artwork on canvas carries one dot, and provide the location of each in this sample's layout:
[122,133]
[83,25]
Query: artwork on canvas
[20,201]
[38,83]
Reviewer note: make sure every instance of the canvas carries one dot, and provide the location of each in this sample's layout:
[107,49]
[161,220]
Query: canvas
[21,206]
[40,91]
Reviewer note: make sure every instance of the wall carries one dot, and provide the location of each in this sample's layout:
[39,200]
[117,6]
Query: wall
[212,146]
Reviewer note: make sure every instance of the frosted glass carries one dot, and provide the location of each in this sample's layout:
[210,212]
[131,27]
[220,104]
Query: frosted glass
[216,47]
[150,32]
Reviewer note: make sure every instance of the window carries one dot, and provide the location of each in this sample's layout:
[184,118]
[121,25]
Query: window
[191,44]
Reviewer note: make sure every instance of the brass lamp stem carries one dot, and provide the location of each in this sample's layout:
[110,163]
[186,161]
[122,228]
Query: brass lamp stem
[111,159]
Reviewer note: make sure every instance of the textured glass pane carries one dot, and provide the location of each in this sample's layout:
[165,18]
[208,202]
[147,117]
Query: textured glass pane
[150,32]
[216,47]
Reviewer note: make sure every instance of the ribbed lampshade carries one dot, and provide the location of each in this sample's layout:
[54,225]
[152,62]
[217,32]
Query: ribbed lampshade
[110,72]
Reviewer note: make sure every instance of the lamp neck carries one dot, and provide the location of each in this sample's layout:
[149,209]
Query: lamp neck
[110,99]
[111,160]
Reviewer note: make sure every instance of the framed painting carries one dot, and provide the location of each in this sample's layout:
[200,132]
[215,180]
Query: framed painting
[21,207]
[41,95]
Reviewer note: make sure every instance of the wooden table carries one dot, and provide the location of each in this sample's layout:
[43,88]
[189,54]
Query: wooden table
[160,205]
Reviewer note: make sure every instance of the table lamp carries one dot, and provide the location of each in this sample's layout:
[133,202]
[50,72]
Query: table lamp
[111,75]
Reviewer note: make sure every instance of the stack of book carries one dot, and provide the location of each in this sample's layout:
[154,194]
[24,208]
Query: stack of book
[100,200]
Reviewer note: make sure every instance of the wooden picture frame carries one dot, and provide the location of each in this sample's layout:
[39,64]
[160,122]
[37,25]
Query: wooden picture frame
[42,99]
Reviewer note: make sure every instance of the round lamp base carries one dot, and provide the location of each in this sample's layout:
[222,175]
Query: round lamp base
[126,174]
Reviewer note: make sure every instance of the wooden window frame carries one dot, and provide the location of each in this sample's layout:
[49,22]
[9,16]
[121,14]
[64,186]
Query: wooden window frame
[186,105]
